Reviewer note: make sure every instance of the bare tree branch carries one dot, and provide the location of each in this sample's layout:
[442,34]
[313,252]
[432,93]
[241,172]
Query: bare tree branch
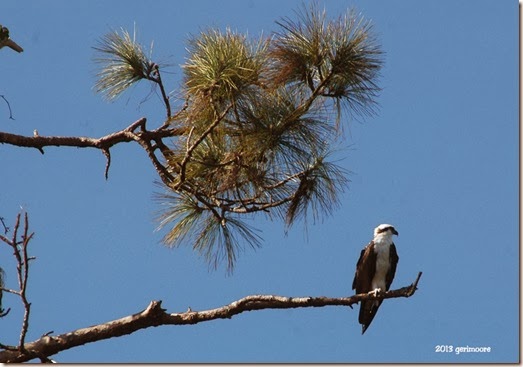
[105,142]
[22,269]
[144,137]
[154,315]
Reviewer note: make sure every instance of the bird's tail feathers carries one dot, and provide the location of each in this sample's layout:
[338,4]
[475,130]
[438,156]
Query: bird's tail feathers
[368,310]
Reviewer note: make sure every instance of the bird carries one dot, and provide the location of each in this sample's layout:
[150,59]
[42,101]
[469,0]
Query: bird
[6,41]
[375,271]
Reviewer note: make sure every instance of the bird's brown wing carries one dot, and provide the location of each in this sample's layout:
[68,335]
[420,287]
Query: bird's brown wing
[365,269]
[362,283]
[394,258]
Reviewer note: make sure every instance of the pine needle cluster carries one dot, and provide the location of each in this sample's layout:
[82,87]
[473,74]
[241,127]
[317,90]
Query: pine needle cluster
[123,61]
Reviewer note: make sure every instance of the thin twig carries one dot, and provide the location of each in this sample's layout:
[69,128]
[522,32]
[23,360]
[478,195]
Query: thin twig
[414,286]
[27,306]
[6,228]
[107,154]
[12,291]
[158,80]
[8,347]
[8,106]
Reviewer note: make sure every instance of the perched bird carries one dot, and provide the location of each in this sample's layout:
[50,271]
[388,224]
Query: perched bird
[375,271]
[6,41]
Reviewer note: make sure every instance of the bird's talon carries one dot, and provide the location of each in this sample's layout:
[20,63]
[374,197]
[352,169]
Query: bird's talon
[375,292]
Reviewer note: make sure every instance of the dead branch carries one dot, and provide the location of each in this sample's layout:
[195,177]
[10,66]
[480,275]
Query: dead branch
[20,253]
[144,137]
[154,315]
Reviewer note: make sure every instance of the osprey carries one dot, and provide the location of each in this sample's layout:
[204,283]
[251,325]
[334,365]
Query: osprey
[375,271]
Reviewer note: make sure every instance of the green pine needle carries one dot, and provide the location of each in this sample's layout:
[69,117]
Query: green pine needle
[222,63]
[215,238]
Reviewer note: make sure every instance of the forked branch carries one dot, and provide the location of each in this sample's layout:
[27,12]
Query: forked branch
[19,244]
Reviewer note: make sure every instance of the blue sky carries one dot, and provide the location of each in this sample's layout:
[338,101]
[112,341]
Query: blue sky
[439,161]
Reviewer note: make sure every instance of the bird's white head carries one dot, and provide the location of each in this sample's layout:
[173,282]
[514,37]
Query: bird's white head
[385,230]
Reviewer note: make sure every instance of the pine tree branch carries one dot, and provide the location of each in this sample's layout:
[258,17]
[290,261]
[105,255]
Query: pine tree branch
[143,136]
[154,315]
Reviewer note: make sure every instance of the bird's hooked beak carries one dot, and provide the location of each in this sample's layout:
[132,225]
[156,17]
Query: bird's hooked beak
[393,230]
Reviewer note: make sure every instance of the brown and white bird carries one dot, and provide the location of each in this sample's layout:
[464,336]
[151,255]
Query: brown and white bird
[6,41]
[375,271]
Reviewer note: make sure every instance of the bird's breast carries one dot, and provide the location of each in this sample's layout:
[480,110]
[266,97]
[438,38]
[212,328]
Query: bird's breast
[382,267]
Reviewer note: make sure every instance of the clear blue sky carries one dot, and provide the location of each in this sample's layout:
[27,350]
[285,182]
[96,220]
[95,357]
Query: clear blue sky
[439,161]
